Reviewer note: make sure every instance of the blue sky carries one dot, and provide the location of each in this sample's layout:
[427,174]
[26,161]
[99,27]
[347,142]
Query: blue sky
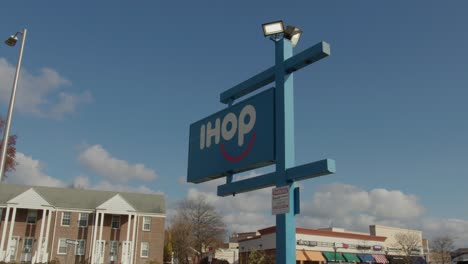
[109,89]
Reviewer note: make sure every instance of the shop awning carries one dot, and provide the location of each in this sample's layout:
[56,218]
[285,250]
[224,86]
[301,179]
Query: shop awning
[330,256]
[380,259]
[418,260]
[307,255]
[366,258]
[350,257]
[300,255]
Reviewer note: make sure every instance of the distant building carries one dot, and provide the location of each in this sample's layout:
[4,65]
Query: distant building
[333,245]
[460,256]
[40,224]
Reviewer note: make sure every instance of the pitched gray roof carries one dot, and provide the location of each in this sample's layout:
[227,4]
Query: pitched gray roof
[85,199]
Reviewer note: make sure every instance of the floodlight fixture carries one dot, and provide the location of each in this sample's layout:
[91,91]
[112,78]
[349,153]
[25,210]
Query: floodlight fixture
[273,28]
[293,34]
[11,41]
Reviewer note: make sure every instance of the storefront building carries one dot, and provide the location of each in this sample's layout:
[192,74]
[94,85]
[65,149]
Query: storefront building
[332,245]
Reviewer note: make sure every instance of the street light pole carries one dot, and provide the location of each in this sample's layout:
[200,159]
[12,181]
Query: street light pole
[12,103]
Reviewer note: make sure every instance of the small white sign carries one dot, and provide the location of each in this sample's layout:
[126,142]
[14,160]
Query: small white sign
[71,241]
[280,200]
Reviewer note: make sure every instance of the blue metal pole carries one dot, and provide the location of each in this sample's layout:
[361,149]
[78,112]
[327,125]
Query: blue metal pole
[284,127]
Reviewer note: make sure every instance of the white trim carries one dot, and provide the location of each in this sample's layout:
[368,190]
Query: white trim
[5,224]
[10,234]
[141,250]
[79,210]
[30,199]
[69,219]
[75,210]
[129,223]
[93,242]
[41,237]
[58,246]
[134,243]
[151,214]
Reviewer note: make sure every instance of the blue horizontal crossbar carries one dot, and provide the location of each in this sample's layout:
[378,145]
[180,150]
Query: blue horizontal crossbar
[296,62]
[311,170]
[306,171]
[251,184]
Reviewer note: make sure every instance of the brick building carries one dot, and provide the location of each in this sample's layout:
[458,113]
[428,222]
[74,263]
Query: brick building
[40,224]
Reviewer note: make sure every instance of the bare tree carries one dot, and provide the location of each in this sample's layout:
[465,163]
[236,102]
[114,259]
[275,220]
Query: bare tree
[200,225]
[181,241]
[441,247]
[407,242]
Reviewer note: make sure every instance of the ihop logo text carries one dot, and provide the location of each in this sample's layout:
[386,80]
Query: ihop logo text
[227,128]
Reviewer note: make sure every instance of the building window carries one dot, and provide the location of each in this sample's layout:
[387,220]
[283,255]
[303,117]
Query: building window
[115,224]
[66,216]
[32,217]
[28,244]
[114,248]
[80,247]
[62,246]
[146,223]
[144,250]
[83,221]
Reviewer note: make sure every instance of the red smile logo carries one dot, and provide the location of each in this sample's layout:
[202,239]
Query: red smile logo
[244,154]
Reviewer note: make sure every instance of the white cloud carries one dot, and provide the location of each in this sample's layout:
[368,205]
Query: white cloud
[342,200]
[97,159]
[29,171]
[83,182]
[339,205]
[455,228]
[39,94]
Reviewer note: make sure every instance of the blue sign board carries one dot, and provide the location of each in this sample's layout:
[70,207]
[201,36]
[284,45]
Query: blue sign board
[233,140]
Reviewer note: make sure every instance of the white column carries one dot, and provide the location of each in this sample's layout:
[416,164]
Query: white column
[129,223]
[2,243]
[135,220]
[41,236]
[93,248]
[101,245]
[10,234]
[127,242]
[45,253]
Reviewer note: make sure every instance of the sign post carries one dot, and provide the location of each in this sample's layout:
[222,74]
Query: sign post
[218,145]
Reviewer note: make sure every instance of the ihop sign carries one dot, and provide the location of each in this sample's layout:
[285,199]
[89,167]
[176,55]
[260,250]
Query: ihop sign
[233,140]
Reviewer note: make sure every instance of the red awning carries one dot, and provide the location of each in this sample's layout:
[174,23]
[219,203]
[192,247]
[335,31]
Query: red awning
[380,259]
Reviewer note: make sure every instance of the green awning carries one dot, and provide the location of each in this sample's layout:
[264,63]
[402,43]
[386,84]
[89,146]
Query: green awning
[350,257]
[330,256]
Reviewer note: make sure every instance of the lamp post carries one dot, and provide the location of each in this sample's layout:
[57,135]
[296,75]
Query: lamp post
[11,41]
